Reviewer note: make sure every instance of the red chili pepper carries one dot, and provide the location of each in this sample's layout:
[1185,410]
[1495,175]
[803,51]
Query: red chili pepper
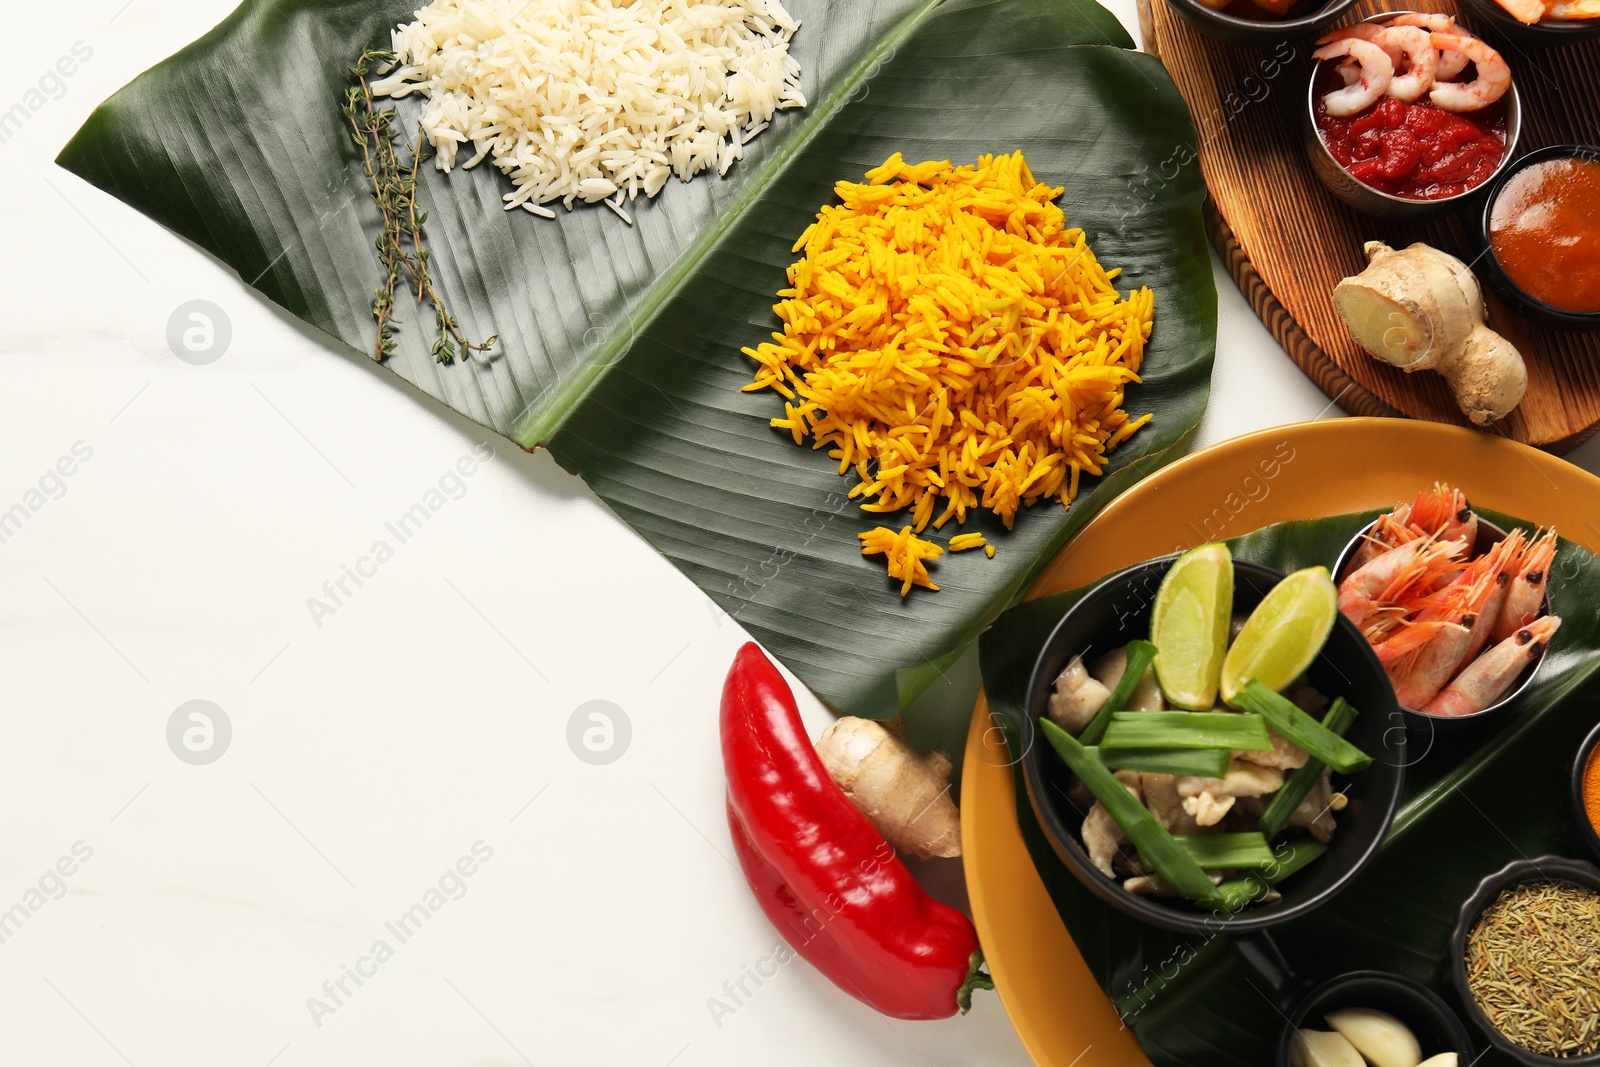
[828,881]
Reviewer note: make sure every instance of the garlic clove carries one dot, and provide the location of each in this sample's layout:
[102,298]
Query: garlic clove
[1317,1048]
[1378,1036]
[1443,1059]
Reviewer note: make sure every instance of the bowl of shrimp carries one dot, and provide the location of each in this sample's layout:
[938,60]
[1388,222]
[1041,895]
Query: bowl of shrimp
[1457,609]
[1408,114]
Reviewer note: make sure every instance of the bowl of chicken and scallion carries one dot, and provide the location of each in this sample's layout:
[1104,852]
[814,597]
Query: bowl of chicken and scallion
[1211,742]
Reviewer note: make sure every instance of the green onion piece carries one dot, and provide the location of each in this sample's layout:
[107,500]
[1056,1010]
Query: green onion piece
[1140,655]
[1227,730]
[1158,851]
[1303,780]
[1300,728]
[1237,892]
[1197,762]
[1214,851]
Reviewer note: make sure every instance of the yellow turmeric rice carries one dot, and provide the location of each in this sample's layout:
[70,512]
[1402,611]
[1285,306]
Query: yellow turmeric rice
[948,337]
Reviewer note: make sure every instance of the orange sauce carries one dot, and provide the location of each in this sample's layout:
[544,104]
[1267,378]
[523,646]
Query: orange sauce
[1545,229]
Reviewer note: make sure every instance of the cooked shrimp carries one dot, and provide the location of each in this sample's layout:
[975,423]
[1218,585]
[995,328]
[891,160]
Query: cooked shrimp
[1492,673]
[1496,569]
[1526,11]
[1450,61]
[1370,596]
[1377,71]
[1419,676]
[1386,533]
[1493,79]
[1525,595]
[1416,45]
[1443,512]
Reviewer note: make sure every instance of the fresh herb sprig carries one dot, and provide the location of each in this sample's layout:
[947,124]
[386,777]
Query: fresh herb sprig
[401,251]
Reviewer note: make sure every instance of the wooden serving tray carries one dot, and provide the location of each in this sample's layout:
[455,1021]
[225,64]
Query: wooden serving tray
[1286,241]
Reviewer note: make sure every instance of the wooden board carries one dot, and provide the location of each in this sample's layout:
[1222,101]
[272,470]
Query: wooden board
[1287,241]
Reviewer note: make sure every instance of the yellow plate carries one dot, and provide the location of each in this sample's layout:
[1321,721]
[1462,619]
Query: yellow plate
[1303,471]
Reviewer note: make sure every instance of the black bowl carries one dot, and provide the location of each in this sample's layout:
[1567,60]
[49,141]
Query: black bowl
[1425,726]
[1238,30]
[1538,869]
[1117,611]
[1539,35]
[1438,1029]
[1522,303]
[1583,831]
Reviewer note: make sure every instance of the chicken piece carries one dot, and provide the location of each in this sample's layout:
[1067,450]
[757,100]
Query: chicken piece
[1209,799]
[1161,797]
[1305,697]
[1315,813]
[1284,755]
[1077,699]
[1146,696]
[1102,837]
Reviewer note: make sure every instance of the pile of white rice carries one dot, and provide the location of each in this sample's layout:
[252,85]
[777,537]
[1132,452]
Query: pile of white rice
[595,100]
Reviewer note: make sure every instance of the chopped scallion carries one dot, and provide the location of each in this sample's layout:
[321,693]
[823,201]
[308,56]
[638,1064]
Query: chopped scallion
[1195,762]
[1296,726]
[1227,730]
[1304,779]
[1140,655]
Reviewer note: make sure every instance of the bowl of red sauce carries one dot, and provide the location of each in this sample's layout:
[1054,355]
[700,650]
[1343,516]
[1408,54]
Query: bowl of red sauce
[1410,158]
[1541,229]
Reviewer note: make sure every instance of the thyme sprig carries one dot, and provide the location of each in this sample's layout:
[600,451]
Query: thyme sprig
[401,250]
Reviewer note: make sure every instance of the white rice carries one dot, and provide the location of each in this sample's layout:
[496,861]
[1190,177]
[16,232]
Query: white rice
[595,100]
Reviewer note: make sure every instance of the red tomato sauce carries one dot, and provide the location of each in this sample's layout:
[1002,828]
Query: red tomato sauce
[1545,231]
[1414,151]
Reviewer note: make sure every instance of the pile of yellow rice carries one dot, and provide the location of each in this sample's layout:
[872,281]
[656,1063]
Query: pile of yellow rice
[951,340]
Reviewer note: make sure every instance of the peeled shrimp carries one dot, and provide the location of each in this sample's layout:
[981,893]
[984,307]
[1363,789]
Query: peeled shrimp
[1493,79]
[1525,594]
[1525,11]
[1491,674]
[1450,61]
[1417,47]
[1377,71]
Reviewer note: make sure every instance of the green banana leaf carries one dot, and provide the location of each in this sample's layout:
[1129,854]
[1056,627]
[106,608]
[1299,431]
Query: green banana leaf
[620,346]
[1473,803]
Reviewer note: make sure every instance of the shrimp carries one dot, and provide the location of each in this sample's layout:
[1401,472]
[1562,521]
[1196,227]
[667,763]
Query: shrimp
[1386,533]
[1524,11]
[1495,570]
[1377,71]
[1443,512]
[1525,595]
[1450,61]
[1494,76]
[1419,676]
[1372,596]
[1416,45]
[1492,674]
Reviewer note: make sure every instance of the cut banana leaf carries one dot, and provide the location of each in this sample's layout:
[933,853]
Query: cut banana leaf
[1474,801]
[620,346]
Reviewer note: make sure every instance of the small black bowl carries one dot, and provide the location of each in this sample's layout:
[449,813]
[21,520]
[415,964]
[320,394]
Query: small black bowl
[1521,302]
[1235,29]
[1117,611]
[1540,34]
[1538,869]
[1437,1028]
[1425,726]
[1582,831]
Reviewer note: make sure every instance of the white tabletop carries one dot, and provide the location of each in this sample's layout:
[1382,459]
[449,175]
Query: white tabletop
[205,506]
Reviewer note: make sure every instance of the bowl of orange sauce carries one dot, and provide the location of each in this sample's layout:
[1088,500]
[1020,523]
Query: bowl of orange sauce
[1541,232]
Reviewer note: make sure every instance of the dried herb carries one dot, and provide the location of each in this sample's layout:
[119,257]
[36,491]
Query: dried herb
[1533,966]
[394,189]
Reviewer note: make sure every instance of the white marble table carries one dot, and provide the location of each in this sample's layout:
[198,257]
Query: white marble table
[207,905]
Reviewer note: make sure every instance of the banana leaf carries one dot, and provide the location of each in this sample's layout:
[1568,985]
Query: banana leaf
[620,345]
[1474,801]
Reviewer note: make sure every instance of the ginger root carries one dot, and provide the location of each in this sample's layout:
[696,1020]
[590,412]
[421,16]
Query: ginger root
[904,795]
[1422,309]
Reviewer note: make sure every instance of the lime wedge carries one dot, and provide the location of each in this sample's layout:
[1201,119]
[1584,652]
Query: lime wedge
[1284,634]
[1189,626]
